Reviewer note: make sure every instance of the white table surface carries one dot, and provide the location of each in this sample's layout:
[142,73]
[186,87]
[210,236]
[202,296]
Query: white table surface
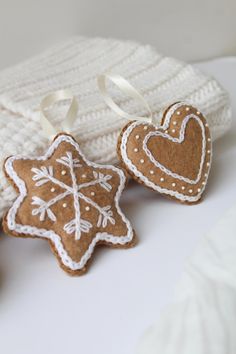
[44,311]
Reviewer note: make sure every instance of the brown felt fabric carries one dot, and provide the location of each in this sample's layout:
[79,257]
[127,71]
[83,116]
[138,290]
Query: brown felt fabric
[75,248]
[181,158]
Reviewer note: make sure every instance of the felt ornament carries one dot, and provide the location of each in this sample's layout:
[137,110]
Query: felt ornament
[65,199]
[173,158]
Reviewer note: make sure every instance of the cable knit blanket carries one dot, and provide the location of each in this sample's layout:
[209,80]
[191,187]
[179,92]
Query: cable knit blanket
[75,65]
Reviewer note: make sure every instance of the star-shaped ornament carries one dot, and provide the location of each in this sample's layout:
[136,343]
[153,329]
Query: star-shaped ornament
[69,201]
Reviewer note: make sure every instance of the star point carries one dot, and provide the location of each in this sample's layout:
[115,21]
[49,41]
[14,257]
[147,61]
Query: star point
[68,200]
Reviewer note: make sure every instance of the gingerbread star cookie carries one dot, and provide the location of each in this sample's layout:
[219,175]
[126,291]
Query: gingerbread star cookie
[173,159]
[69,201]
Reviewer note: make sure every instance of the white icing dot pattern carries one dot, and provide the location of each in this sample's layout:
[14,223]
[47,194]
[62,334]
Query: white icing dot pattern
[123,149]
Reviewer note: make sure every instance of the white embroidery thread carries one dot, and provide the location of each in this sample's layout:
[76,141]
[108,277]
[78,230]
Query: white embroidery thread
[165,126]
[85,225]
[44,175]
[179,140]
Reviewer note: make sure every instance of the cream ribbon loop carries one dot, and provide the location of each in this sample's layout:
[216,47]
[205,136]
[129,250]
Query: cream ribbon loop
[126,88]
[57,96]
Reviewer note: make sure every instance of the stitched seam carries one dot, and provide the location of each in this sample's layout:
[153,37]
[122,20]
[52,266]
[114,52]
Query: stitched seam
[56,239]
[137,173]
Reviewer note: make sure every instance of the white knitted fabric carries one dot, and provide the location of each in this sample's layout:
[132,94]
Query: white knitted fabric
[75,65]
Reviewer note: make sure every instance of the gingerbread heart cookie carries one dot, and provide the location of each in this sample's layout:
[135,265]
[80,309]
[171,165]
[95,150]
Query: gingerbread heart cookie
[173,159]
[69,201]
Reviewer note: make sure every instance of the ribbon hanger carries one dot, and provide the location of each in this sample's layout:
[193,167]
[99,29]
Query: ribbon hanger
[48,101]
[127,89]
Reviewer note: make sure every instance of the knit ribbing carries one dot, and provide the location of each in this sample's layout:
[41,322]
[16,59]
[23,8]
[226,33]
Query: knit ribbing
[75,65]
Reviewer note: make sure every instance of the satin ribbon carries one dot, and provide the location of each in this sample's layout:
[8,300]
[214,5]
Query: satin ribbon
[127,89]
[49,129]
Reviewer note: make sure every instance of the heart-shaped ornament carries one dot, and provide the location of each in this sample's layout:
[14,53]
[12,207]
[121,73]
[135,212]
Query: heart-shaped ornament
[174,158]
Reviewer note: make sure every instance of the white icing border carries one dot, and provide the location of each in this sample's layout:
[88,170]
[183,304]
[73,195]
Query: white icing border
[179,140]
[147,182]
[49,234]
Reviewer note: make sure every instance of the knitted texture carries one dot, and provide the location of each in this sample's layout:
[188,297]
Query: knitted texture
[75,65]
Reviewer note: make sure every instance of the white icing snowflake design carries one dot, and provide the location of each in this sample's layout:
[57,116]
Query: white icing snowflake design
[77,225]
[70,183]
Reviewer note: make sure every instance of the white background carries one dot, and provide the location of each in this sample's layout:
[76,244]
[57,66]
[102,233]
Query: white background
[186,29]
